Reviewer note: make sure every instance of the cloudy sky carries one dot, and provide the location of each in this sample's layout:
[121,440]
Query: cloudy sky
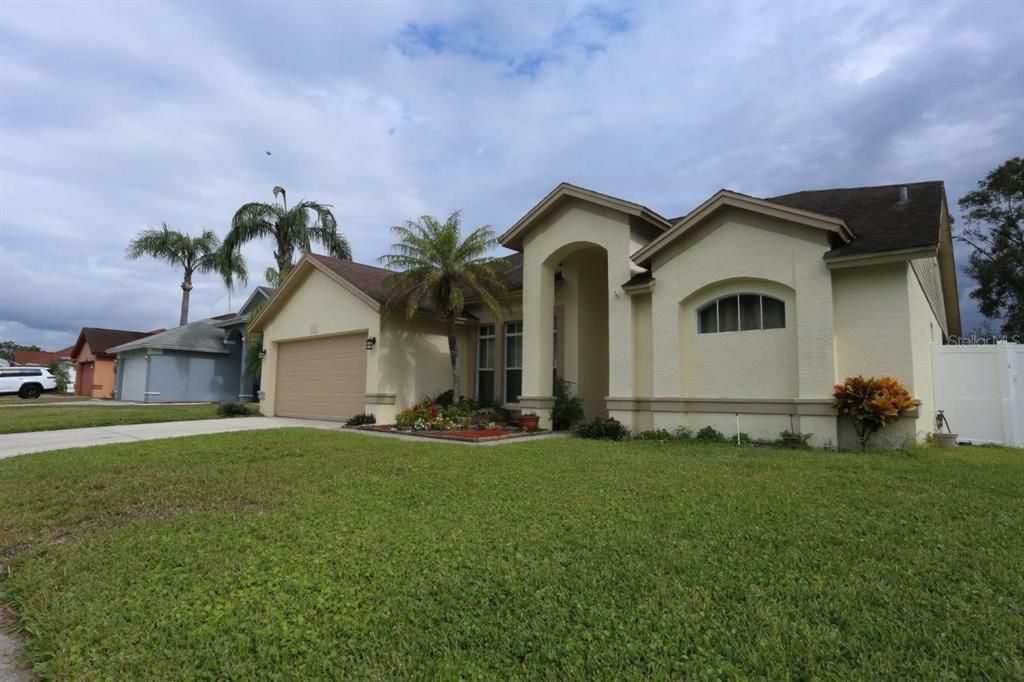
[115,117]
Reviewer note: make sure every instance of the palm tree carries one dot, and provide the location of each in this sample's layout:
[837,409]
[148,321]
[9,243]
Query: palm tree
[292,228]
[202,254]
[437,269]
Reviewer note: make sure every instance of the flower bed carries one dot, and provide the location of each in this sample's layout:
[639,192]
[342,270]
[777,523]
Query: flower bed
[464,435]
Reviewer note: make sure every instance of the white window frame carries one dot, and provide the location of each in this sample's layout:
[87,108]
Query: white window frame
[493,338]
[739,314]
[505,366]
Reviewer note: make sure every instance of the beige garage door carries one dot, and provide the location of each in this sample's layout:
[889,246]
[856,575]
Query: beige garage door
[322,378]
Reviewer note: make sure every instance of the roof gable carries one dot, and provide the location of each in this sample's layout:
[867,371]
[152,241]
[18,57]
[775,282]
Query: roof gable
[259,295]
[513,237]
[365,282]
[102,340]
[725,198]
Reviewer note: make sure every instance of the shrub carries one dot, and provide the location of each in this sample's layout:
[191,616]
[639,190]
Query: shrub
[444,398]
[60,373]
[684,433]
[602,428]
[360,419]
[235,410]
[656,434]
[872,404]
[709,435]
[794,439]
[568,408]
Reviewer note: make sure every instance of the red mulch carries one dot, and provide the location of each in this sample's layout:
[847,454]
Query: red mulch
[472,436]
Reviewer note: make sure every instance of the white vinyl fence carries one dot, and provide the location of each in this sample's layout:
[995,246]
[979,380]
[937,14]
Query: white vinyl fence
[981,391]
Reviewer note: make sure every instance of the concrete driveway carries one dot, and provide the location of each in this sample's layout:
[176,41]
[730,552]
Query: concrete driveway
[12,444]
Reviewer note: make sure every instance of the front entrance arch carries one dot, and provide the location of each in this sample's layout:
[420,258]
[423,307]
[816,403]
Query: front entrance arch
[582,296]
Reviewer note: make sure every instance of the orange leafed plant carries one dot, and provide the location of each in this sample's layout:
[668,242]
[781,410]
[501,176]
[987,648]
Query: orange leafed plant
[872,403]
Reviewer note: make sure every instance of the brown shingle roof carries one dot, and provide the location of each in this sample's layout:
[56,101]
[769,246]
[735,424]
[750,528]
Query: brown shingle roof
[100,340]
[371,280]
[876,216]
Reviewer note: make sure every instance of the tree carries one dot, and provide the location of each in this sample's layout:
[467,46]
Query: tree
[438,270]
[994,214]
[60,373]
[203,254]
[298,227]
[7,349]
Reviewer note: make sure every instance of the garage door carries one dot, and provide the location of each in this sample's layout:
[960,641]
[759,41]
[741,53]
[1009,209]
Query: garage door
[322,378]
[133,383]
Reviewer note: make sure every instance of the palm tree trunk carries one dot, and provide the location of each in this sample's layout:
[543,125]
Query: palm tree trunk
[453,353]
[186,290]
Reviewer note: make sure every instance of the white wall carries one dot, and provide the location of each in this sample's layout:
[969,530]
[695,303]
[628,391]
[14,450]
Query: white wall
[981,391]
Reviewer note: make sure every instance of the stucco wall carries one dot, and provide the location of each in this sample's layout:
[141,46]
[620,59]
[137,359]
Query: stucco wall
[743,364]
[319,306]
[572,226]
[103,377]
[880,331]
[414,359]
[731,252]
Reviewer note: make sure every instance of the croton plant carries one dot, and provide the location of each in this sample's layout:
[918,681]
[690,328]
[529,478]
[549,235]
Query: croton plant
[872,403]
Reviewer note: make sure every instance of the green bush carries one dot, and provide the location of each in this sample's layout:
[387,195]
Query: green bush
[684,433]
[235,410]
[602,428]
[360,419]
[568,409]
[794,439]
[709,434]
[657,434]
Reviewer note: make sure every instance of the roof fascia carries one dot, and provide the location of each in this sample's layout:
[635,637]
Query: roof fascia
[512,238]
[727,198]
[859,260]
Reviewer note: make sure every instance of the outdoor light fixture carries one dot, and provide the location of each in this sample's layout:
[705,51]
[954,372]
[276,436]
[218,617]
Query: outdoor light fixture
[371,343]
[263,353]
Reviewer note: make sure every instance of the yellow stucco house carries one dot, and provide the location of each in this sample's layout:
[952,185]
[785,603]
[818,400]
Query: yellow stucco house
[744,311]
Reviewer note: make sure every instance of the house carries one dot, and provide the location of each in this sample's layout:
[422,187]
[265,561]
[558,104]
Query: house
[741,315]
[42,358]
[95,369]
[203,361]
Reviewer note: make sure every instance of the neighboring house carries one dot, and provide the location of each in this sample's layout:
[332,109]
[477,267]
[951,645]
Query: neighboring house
[42,358]
[745,311]
[202,361]
[95,369]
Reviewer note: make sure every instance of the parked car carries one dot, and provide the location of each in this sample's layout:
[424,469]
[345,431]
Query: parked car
[27,382]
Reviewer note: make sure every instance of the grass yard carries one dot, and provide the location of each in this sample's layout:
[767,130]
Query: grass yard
[52,398]
[294,553]
[43,418]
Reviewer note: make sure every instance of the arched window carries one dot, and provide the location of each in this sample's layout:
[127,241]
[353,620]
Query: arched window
[741,313]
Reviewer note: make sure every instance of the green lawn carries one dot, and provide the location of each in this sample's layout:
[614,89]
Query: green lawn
[43,418]
[294,553]
[52,398]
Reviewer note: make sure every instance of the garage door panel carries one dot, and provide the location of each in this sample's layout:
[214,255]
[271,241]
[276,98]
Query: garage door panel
[133,383]
[321,378]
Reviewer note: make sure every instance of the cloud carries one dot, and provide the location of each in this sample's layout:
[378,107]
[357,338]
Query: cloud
[119,117]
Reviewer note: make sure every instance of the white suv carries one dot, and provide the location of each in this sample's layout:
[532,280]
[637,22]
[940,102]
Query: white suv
[27,382]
